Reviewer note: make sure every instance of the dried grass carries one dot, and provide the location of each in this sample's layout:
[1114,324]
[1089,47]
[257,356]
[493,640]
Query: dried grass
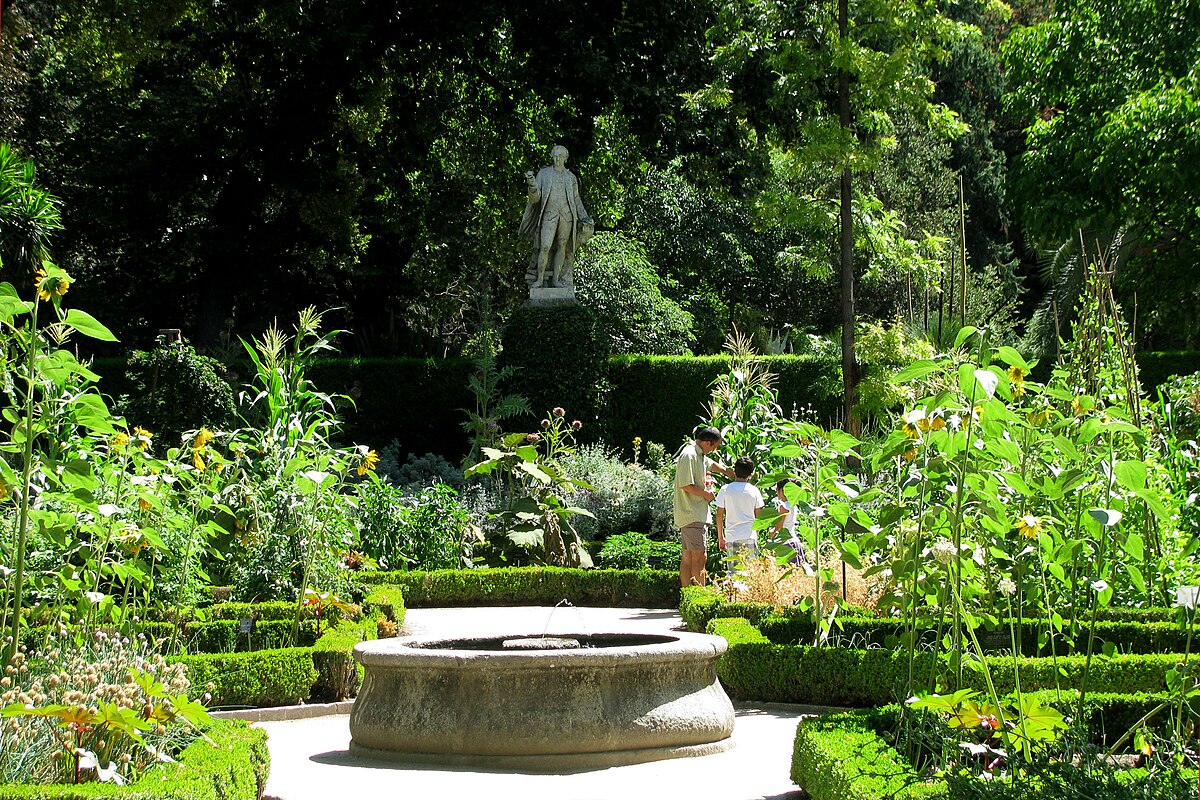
[761,580]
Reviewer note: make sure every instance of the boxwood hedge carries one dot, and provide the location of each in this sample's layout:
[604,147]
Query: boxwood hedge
[514,586]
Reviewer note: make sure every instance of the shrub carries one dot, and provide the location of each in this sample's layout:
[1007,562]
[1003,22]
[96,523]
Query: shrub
[885,349]
[426,530]
[386,600]
[615,280]
[511,586]
[638,551]
[262,678]
[840,757]
[417,472]
[756,668]
[561,357]
[623,497]
[338,676]
[175,389]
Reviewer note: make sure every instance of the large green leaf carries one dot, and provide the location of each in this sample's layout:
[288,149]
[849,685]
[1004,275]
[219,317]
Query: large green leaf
[88,325]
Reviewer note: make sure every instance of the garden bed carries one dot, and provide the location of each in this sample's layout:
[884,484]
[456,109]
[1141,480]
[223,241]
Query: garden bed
[233,766]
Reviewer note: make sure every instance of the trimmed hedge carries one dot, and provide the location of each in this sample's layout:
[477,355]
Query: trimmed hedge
[338,675]
[435,392]
[511,586]
[840,756]
[1154,369]
[387,600]
[843,757]
[233,767]
[1139,630]
[561,358]
[262,678]
[754,668]
[1128,637]
[662,398]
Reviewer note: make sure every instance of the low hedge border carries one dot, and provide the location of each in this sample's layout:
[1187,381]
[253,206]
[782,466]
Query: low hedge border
[283,676]
[510,586]
[754,668]
[1127,637]
[233,767]
[387,600]
[1141,630]
[840,756]
[843,757]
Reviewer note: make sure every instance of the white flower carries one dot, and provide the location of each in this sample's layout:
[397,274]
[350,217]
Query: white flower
[943,551]
[1187,596]
[1006,587]
[1100,586]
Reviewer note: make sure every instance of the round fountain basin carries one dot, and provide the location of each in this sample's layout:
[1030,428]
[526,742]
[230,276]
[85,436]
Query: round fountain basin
[616,699]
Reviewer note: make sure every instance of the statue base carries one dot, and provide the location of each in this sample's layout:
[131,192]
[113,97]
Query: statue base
[551,296]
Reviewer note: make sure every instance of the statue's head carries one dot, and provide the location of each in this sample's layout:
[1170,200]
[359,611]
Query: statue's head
[559,152]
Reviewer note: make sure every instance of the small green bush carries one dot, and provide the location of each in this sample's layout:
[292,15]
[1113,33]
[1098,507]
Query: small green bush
[387,600]
[175,389]
[400,530]
[840,757]
[638,551]
[263,678]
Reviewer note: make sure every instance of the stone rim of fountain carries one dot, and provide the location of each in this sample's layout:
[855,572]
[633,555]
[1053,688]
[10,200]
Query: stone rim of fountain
[658,695]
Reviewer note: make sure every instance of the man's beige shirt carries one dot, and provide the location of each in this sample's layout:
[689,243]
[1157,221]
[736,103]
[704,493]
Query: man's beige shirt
[691,468]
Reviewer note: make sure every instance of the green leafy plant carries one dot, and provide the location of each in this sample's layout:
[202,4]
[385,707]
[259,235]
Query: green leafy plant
[427,530]
[537,513]
[93,707]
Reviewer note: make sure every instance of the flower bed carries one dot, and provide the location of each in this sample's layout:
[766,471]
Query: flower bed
[232,766]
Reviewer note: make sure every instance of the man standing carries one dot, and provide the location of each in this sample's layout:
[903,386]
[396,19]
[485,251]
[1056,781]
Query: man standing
[738,504]
[692,496]
[555,219]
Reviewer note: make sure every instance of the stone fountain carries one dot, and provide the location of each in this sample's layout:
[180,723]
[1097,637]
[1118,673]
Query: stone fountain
[571,701]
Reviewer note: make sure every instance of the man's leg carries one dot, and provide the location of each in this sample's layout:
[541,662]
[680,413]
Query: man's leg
[692,556]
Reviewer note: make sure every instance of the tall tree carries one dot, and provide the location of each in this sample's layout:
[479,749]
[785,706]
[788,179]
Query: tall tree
[1107,96]
[245,160]
[820,84]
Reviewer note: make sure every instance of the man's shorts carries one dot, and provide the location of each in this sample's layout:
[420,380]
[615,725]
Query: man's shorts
[692,536]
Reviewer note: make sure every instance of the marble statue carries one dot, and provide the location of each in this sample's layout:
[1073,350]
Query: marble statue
[555,222]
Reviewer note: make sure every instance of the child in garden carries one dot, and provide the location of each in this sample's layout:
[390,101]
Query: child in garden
[788,523]
[738,504]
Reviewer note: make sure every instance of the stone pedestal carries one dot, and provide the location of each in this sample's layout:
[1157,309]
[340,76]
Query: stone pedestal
[548,296]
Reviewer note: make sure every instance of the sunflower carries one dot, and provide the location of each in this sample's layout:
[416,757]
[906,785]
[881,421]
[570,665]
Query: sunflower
[370,460]
[142,438]
[1029,526]
[1016,376]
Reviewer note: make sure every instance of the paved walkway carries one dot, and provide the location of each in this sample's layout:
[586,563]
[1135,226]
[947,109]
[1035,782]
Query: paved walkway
[309,758]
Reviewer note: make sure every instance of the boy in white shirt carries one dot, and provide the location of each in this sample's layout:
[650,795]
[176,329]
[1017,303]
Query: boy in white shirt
[738,504]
